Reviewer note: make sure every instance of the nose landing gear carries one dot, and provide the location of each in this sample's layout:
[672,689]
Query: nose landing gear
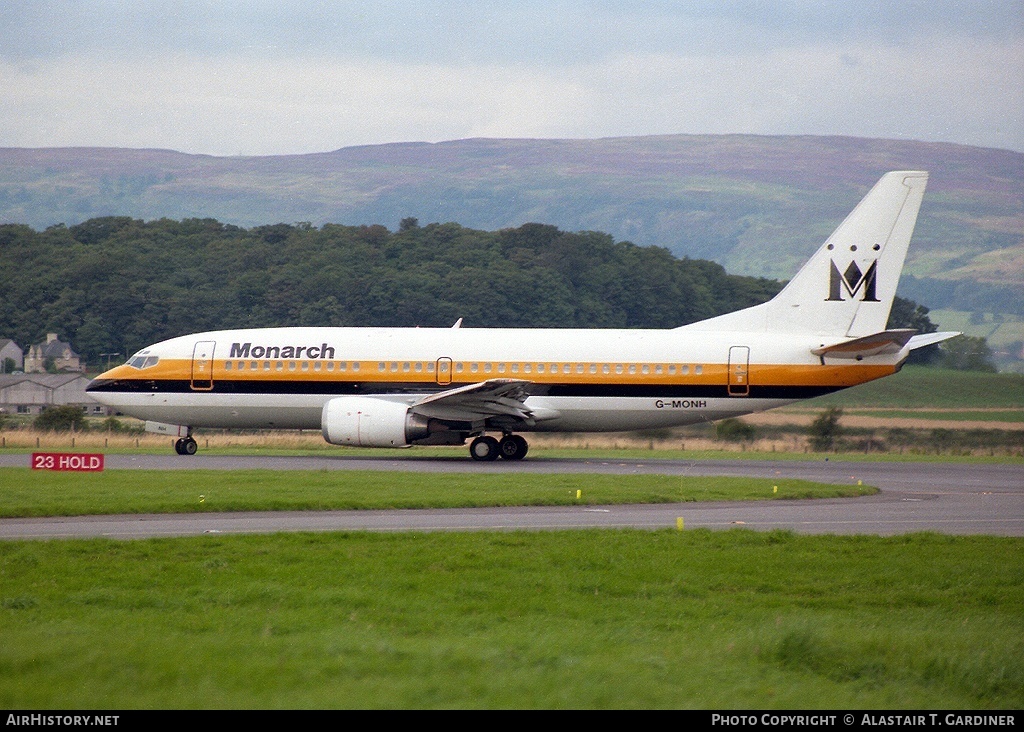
[510,447]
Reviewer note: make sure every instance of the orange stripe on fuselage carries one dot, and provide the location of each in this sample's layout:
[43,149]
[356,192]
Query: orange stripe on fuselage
[553,372]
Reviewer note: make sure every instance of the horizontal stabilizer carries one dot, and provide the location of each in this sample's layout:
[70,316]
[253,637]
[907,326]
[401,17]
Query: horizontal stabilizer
[927,339]
[888,341]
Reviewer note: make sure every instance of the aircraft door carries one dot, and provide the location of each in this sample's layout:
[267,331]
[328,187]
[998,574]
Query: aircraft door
[739,367]
[443,371]
[202,365]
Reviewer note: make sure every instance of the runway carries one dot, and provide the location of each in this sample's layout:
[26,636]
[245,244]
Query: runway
[951,498]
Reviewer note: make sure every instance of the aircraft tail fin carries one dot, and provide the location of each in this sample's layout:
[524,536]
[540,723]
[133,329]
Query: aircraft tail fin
[846,288]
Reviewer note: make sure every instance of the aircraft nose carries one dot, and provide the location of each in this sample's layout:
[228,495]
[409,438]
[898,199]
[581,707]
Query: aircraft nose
[105,378]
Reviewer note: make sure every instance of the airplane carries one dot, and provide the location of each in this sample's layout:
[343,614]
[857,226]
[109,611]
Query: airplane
[397,387]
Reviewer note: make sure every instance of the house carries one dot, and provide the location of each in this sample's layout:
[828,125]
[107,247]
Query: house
[31,393]
[10,352]
[63,358]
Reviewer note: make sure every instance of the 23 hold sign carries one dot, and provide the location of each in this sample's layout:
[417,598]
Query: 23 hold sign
[89,462]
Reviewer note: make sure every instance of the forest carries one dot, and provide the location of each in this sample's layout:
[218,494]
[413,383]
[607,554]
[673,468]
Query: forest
[115,284]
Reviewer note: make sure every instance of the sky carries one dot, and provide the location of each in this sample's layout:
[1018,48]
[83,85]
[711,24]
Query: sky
[226,77]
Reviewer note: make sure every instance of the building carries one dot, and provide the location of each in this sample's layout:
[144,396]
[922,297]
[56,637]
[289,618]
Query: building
[63,358]
[10,350]
[31,393]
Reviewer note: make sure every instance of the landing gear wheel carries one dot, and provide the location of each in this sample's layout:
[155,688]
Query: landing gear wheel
[186,446]
[484,448]
[513,447]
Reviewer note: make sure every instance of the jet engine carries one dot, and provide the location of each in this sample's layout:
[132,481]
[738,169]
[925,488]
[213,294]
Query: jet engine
[369,422]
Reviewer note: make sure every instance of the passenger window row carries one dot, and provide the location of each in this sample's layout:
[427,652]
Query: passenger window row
[472,367]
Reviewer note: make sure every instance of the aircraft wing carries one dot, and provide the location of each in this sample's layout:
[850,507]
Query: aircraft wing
[483,400]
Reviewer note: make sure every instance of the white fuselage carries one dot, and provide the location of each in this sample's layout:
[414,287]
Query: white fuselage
[826,330]
[583,380]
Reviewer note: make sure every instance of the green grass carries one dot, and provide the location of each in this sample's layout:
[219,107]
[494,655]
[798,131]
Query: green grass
[598,619]
[960,415]
[917,386]
[1005,330]
[590,619]
[43,493]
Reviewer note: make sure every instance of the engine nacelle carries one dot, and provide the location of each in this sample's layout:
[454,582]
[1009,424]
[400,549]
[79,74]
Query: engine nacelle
[369,422]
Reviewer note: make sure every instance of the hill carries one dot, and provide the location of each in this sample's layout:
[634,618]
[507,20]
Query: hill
[756,204]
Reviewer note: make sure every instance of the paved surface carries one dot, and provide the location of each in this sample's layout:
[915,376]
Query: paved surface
[943,497]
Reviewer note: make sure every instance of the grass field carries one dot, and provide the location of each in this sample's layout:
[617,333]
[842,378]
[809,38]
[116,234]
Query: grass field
[930,415]
[591,619]
[917,386]
[47,493]
[518,620]
[1000,331]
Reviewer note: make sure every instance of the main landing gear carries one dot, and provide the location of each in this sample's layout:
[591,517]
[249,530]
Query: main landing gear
[186,446]
[510,447]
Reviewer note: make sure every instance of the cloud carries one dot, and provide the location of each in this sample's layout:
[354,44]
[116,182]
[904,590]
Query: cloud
[271,78]
[481,31]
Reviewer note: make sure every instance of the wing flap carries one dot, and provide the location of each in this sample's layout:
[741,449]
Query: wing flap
[472,402]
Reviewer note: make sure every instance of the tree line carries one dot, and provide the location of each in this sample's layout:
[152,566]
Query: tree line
[115,284]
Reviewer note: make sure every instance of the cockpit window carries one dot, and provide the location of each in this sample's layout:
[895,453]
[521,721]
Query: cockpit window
[142,361]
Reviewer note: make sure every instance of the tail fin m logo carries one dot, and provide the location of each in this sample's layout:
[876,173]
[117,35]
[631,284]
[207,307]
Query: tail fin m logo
[852,281]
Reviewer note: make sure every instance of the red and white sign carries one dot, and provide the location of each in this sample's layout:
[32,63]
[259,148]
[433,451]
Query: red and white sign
[89,462]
